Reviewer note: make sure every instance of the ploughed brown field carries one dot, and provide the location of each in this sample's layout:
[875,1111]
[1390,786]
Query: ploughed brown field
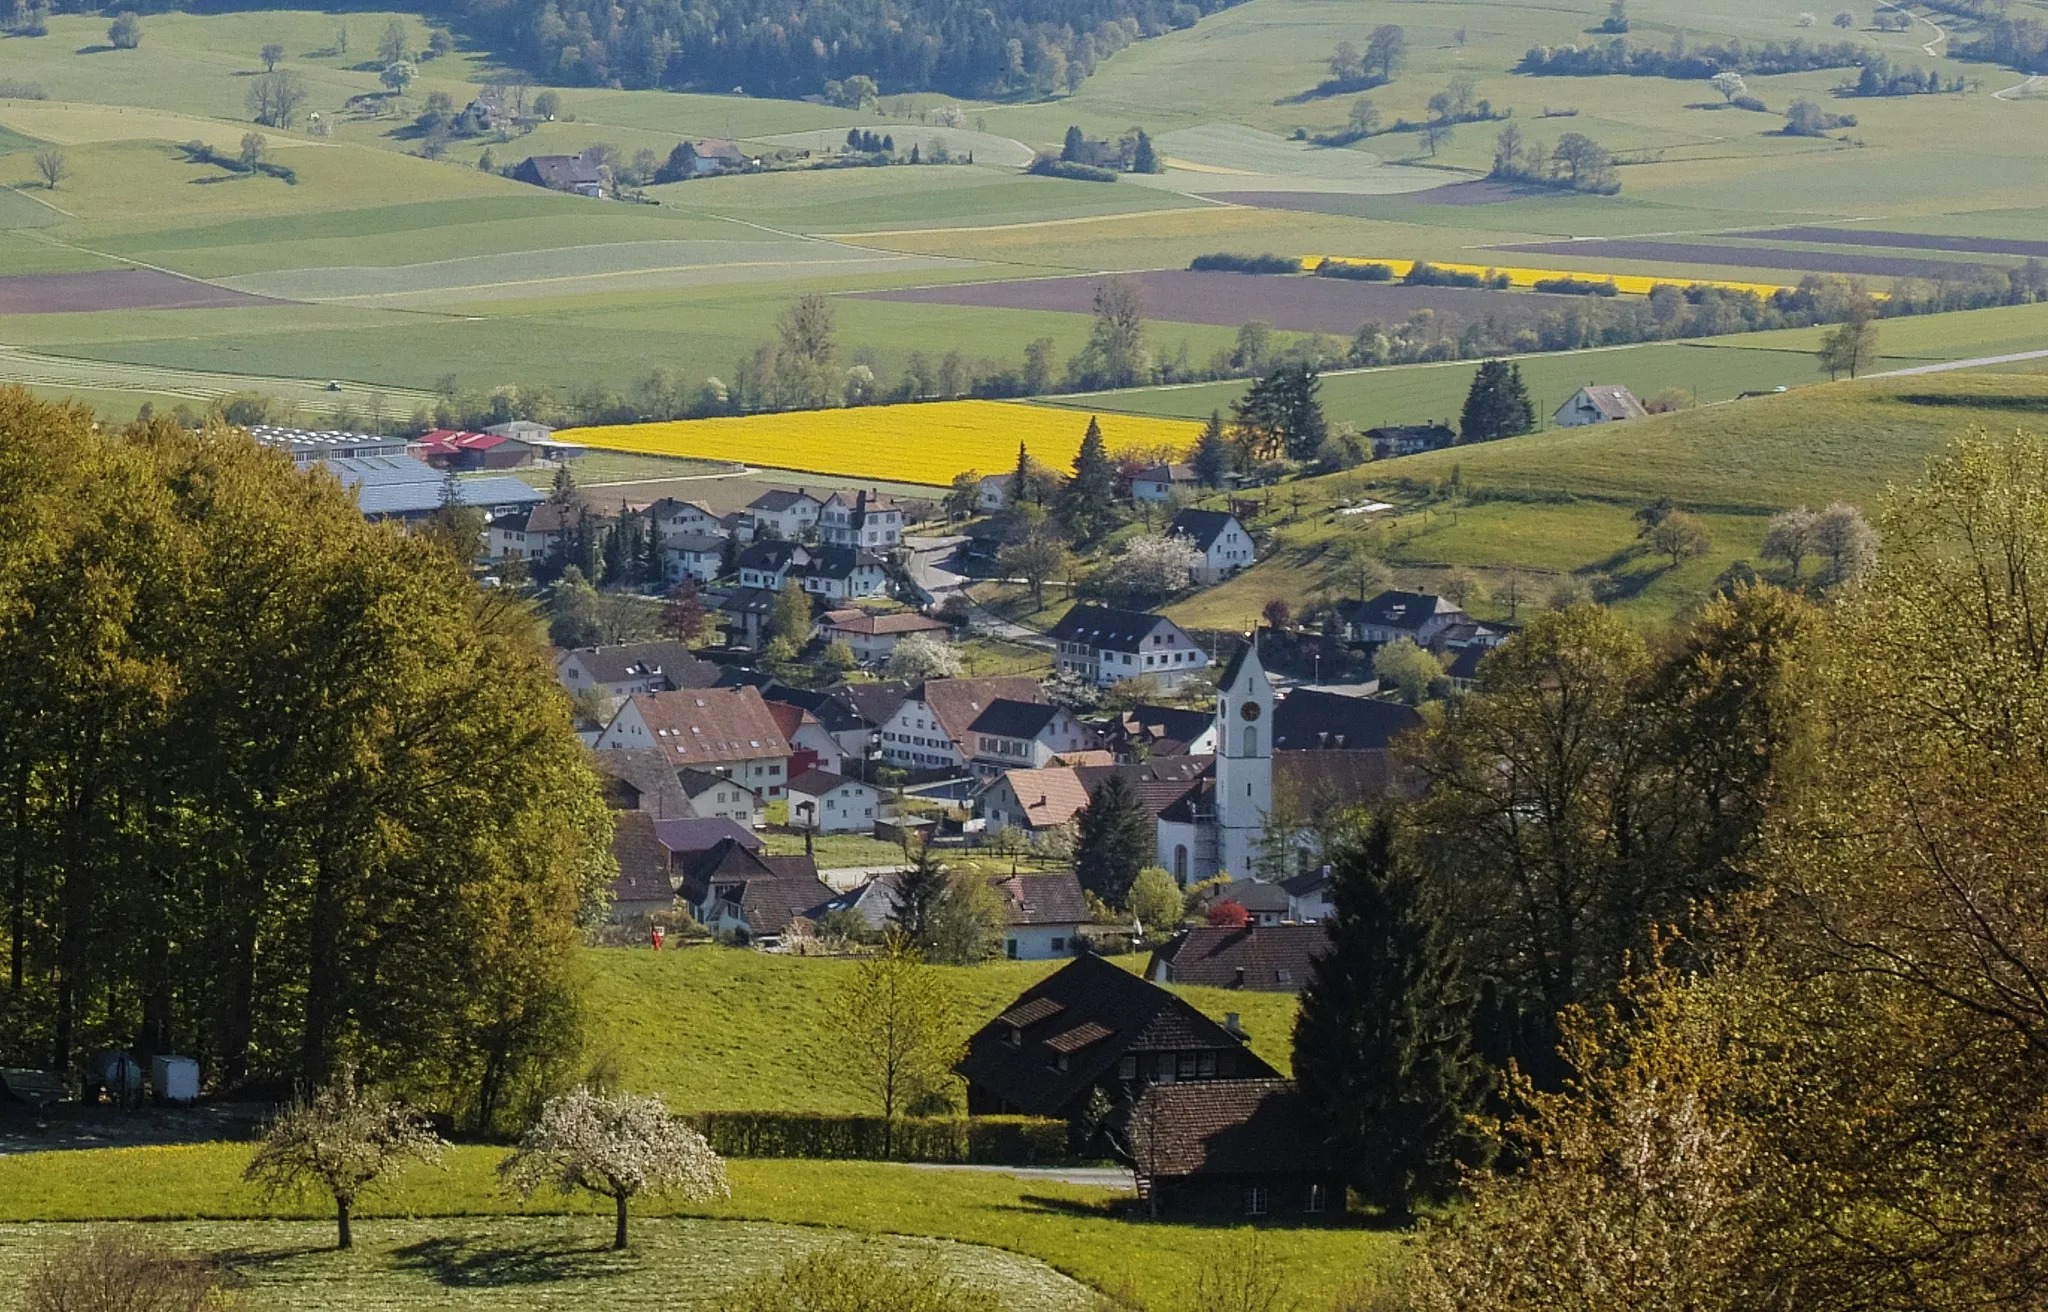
[115,289]
[1906,241]
[1745,257]
[1477,192]
[1295,303]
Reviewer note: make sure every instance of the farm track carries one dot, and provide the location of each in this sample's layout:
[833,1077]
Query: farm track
[2034,83]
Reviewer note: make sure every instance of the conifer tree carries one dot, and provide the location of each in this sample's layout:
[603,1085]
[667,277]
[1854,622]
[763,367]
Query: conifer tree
[1144,159]
[1020,481]
[1212,455]
[1497,405]
[1087,504]
[1114,844]
[1382,1043]
[1070,149]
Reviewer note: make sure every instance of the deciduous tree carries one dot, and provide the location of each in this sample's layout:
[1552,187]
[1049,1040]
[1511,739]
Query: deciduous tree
[618,1146]
[342,1140]
[893,1021]
[1386,50]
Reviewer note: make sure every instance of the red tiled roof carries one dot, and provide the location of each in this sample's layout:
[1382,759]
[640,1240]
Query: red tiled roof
[706,726]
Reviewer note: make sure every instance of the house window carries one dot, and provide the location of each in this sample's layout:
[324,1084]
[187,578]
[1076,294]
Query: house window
[1059,945]
[1184,1066]
[1255,1200]
[1012,946]
[1127,1067]
[1205,1065]
[1316,1199]
[1180,863]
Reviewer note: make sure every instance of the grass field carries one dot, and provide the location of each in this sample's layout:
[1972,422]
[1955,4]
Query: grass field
[715,1029]
[1067,1228]
[927,443]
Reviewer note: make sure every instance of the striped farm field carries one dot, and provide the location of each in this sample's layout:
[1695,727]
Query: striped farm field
[1635,284]
[926,443]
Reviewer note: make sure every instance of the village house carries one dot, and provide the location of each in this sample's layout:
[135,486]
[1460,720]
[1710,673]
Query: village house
[1008,735]
[744,614]
[643,886]
[699,556]
[532,534]
[1225,546]
[1264,904]
[1092,1025]
[1416,616]
[1245,1148]
[1036,802]
[531,432]
[840,573]
[1409,439]
[1104,646]
[1160,482]
[1261,958]
[837,714]
[865,519]
[1309,896]
[932,728]
[725,731]
[571,173]
[751,898]
[1144,732]
[993,492]
[616,672]
[637,779]
[790,514]
[704,158]
[1598,403]
[810,745]
[715,796]
[1044,914]
[873,637]
[673,519]
[833,804]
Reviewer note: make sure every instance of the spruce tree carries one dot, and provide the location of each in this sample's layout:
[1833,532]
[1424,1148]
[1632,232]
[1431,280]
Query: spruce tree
[1497,405]
[1144,159]
[919,889]
[1212,454]
[1070,150]
[1114,844]
[1087,504]
[1020,480]
[1382,1043]
[1517,410]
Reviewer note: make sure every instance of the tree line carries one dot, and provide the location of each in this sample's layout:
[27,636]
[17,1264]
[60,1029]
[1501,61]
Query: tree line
[1706,968]
[1685,59]
[283,788]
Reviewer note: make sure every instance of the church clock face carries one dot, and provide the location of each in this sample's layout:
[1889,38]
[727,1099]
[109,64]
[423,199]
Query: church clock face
[1250,711]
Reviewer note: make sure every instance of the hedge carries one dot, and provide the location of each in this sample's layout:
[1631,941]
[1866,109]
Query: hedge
[1224,262]
[1355,272]
[978,1140]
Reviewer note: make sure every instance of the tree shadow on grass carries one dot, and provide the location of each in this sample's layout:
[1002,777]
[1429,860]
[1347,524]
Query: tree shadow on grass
[239,1258]
[95,50]
[473,1263]
[1135,1210]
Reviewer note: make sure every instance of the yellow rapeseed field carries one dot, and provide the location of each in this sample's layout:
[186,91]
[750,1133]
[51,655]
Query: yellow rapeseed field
[930,442]
[1634,283]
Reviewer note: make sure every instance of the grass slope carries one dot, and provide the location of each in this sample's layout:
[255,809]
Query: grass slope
[716,1029]
[1560,502]
[1068,1227]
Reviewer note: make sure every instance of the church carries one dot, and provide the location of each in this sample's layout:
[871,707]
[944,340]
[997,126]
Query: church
[1314,750]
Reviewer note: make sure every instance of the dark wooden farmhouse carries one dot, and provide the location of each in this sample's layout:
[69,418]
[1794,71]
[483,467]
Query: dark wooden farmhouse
[1094,1025]
[1230,1148]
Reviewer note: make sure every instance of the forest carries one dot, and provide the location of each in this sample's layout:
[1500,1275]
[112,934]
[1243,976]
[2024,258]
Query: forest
[991,51]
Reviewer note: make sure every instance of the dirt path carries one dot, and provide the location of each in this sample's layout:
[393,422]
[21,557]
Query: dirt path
[1949,366]
[2027,88]
[1940,32]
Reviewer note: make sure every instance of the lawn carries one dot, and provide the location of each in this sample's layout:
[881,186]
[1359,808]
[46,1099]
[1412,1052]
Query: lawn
[1067,1227]
[719,1029]
[544,1264]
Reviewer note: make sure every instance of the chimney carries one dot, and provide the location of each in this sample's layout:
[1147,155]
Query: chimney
[1237,984]
[1230,1021]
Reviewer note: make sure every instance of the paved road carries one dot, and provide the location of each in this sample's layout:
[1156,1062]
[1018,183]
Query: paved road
[1949,366]
[982,620]
[1099,1177]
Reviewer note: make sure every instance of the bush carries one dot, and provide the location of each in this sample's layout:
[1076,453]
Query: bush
[1052,166]
[1355,272]
[114,1271]
[1224,262]
[1750,103]
[978,1140]
[1578,286]
[15,89]
[1425,274]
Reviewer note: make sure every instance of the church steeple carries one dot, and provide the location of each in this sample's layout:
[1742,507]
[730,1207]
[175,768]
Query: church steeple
[1244,758]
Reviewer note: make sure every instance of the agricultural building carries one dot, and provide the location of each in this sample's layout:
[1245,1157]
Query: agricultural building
[1094,1025]
[405,489]
[571,173]
[1230,1148]
[1409,439]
